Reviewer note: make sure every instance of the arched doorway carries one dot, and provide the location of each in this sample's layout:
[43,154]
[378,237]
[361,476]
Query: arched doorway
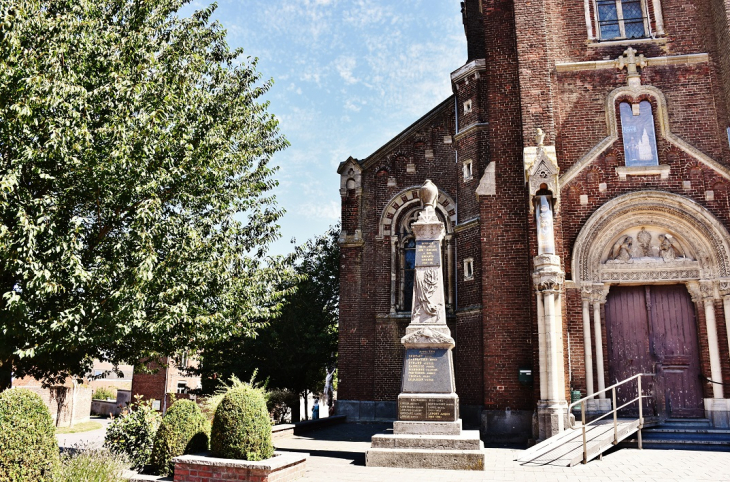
[653,259]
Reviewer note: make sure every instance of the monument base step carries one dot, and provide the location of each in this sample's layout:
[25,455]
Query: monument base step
[468,440]
[426,459]
[426,428]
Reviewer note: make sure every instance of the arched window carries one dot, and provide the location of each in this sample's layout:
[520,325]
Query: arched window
[637,126]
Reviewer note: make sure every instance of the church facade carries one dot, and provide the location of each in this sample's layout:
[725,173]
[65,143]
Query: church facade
[583,168]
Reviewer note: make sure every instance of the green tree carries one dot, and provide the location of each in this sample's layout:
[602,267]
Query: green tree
[135,204]
[294,350]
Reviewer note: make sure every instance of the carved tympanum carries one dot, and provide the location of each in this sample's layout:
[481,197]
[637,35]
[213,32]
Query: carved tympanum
[650,247]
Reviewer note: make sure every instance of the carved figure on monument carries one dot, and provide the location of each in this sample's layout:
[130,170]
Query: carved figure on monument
[644,239]
[621,251]
[426,302]
[545,232]
[669,248]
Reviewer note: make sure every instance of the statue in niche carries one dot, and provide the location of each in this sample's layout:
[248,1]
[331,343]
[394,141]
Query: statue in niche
[644,239]
[621,251]
[545,232]
[669,248]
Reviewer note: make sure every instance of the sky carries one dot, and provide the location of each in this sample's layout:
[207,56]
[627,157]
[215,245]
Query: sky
[348,76]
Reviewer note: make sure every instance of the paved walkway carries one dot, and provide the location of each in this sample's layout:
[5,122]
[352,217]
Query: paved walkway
[90,439]
[338,454]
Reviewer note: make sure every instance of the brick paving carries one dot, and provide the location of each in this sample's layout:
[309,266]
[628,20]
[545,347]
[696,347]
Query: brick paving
[338,454]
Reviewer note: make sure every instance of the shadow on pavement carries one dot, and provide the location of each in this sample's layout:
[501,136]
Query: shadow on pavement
[356,458]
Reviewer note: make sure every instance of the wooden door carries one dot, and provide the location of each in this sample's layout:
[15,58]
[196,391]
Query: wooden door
[652,329]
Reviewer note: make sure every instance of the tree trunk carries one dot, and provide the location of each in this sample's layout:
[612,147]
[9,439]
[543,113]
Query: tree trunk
[6,375]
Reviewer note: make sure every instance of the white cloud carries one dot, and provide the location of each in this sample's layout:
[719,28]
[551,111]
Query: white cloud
[345,66]
[329,210]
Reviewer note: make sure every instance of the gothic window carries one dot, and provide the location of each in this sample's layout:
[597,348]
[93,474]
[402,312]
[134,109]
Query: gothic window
[621,19]
[637,126]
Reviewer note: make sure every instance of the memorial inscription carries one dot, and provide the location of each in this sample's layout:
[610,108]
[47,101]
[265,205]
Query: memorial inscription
[426,409]
[428,253]
[427,371]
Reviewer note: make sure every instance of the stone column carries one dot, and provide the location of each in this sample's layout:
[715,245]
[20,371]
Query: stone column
[589,20]
[658,17]
[393,271]
[552,408]
[714,347]
[597,301]
[587,349]
[726,306]
[450,270]
[542,346]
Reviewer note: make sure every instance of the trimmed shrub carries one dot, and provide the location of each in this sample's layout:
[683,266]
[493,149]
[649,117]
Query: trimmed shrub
[28,446]
[241,427]
[133,434]
[183,430]
[89,465]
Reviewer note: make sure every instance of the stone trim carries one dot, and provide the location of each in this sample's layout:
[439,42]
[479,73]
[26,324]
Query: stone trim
[478,65]
[661,118]
[406,199]
[476,127]
[662,170]
[688,59]
[471,223]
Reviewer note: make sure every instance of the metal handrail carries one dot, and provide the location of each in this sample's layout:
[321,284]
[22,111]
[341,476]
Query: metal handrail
[615,410]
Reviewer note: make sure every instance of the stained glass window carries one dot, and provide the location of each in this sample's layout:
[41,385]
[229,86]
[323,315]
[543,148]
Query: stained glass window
[639,136]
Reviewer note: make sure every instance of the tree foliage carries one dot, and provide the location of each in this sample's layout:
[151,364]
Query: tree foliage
[293,351]
[135,209]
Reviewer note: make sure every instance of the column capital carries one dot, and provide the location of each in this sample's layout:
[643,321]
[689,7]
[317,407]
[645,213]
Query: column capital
[547,275]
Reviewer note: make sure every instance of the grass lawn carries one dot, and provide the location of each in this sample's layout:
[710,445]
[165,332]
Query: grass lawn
[80,427]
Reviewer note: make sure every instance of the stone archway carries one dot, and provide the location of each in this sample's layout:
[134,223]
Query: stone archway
[651,238]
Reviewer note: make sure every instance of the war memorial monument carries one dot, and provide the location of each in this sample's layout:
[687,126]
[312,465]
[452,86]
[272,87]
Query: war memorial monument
[428,432]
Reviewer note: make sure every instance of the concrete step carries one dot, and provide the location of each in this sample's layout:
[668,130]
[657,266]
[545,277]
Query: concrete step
[468,440]
[426,459]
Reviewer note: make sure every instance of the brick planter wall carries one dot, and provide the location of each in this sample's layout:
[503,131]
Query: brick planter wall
[201,468]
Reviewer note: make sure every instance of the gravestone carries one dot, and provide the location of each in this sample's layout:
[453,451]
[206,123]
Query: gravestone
[428,431]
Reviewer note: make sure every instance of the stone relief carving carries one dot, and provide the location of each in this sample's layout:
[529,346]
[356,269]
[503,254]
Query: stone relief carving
[644,239]
[666,249]
[426,336]
[426,304]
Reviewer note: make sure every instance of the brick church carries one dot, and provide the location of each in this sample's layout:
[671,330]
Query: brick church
[583,168]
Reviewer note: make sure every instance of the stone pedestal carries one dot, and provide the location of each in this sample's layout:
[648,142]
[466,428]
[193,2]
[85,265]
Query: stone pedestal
[552,418]
[428,431]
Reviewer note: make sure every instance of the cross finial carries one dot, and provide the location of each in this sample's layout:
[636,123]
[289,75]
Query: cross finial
[631,62]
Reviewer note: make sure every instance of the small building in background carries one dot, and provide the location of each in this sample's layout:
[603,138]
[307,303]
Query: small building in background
[166,382]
